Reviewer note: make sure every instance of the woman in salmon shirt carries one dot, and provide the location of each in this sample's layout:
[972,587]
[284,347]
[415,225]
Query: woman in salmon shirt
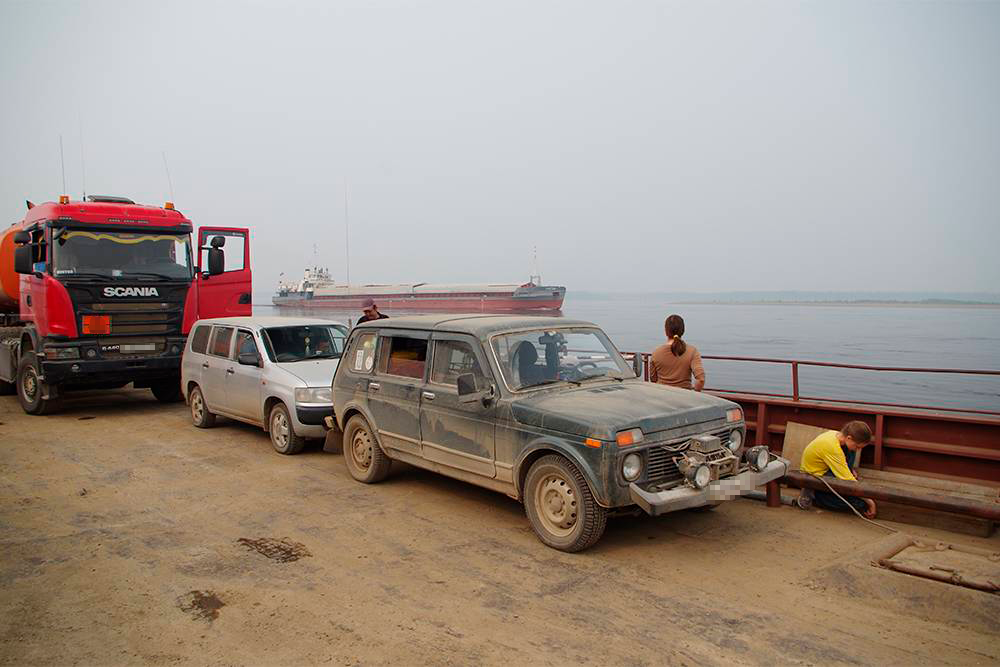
[675,362]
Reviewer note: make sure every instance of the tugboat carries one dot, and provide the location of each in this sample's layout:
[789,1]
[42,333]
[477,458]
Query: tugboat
[317,290]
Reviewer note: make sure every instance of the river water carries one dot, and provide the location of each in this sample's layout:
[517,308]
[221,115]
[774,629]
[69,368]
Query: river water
[921,336]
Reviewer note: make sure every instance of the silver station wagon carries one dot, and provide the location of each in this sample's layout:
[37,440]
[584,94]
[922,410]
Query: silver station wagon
[543,409]
[274,372]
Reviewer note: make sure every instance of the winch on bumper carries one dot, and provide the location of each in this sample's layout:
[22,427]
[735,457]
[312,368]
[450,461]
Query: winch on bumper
[711,475]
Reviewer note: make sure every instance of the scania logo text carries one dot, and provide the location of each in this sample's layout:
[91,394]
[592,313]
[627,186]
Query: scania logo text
[130,291]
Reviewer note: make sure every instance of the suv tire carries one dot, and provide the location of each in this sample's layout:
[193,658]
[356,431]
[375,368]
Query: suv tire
[279,426]
[200,416]
[31,389]
[366,462]
[562,510]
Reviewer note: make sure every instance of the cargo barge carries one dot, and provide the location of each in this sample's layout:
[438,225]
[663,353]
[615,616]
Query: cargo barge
[317,290]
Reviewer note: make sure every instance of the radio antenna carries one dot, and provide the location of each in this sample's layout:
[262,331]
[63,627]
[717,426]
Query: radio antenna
[83,164]
[62,163]
[347,233]
[170,182]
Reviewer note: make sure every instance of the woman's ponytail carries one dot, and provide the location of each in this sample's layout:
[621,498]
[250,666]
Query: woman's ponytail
[674,326]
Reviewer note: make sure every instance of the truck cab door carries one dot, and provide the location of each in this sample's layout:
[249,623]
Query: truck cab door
[228,293]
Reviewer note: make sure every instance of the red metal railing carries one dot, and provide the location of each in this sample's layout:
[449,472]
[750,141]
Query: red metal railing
[935,441]
[797,396]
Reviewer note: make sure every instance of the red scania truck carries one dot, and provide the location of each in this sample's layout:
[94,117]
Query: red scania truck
[103,292]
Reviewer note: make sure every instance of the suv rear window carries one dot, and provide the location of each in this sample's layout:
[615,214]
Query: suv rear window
[404,357]
[199,340]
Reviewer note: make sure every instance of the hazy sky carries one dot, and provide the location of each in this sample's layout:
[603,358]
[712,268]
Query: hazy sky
[638,145]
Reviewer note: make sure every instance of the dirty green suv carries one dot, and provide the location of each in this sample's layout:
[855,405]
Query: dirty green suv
[543,409]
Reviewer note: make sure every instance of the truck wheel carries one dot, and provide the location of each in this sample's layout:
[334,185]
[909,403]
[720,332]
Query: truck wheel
[283,437]
[167,391]
[364,457]
[560,506]
[200,416]
[31,389]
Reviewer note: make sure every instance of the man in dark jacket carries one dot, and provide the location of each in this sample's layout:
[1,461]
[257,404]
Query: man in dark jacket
[371,312]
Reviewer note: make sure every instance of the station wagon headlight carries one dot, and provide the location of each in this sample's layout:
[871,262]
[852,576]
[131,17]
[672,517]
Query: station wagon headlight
[313,395]
[631,467]
[735,441]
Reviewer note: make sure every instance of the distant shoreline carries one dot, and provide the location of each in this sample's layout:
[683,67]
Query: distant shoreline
[870,304]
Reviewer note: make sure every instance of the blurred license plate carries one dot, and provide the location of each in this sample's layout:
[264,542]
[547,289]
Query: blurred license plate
[138,347]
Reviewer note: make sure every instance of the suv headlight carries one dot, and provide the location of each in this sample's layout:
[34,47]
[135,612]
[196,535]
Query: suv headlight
[735,441]
[631,467]
[313,395]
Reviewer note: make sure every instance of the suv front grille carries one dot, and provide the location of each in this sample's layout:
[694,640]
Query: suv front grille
[660,466]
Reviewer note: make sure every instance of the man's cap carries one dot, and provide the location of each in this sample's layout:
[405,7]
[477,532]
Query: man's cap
[369,303]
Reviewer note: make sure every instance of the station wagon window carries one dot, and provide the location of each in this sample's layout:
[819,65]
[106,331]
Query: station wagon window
[220,344]
[199,340]
[361,355]
[245,344]
[535,358]
[403,356]
[453,358]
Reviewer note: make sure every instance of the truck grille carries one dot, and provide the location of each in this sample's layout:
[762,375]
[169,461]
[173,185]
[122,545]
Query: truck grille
[138,317]
[660,467]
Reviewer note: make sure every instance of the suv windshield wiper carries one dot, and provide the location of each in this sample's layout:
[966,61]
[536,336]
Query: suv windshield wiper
[545,382]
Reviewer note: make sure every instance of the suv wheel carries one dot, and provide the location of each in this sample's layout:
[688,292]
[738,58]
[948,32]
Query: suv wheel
[283,437]
[31,389]
[200,416]
[560,506]
[364,458]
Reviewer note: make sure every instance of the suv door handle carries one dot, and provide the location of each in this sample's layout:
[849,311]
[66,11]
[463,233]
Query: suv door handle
[429,395]
[374,386]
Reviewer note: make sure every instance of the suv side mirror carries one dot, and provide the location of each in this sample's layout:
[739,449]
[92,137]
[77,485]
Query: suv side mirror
[22,259]
[469,391]
[249,359]
[216,259]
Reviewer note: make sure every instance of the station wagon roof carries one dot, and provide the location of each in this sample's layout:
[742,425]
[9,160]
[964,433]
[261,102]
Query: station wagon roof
[267,321]
[475,324]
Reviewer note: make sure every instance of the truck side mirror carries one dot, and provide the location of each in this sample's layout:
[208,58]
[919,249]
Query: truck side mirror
[22,259]
[218,241]
[22,237]
[216,259]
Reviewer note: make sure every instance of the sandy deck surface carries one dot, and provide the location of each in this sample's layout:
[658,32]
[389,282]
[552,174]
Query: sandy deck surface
[129,536]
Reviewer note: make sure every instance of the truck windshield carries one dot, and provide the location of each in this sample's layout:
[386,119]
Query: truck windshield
[303,342]
[534,358]
[146,256]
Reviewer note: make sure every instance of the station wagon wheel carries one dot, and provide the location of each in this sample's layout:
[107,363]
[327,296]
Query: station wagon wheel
[283,437]
[200,416]
[561,508]
[364,457]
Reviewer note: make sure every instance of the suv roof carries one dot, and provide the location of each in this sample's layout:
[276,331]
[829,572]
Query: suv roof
[266,321]
[475,324]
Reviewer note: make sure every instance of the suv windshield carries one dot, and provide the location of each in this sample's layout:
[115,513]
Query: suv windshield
[534,358]
[121,254]
[303,342]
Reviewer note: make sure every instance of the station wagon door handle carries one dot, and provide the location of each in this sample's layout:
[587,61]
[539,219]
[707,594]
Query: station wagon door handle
[204,364]
[374,386]
[229,371]
[429,395]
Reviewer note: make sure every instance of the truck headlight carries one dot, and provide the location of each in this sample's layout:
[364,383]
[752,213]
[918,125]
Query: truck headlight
[700,476]
[757,457]
[62,353]
[735,441]
[313,395]
[631,467]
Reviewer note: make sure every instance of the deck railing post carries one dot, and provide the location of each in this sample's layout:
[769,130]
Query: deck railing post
[879,429]
[795,380]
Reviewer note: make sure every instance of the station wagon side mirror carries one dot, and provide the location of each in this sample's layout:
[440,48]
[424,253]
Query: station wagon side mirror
[249,359]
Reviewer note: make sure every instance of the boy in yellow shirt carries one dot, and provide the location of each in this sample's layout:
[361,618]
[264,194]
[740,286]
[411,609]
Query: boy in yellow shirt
[826,455]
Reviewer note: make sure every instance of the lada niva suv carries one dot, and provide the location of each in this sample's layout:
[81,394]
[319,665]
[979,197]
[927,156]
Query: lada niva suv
[543,409]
